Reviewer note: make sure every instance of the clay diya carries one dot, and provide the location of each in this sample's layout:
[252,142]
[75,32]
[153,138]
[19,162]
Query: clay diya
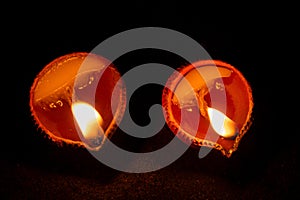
[208,103]
[78,99]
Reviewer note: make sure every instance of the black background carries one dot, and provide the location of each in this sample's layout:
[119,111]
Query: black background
[264,166]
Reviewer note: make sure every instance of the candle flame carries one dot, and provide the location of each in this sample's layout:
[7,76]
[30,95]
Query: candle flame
[88,120]
[222,124]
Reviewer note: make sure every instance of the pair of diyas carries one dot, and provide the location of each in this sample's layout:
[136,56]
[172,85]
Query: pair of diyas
[80,99]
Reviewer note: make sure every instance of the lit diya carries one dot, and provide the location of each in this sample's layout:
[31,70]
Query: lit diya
[78,99]
[208,103]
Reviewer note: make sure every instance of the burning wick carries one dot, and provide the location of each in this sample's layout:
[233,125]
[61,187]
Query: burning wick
[89,122]
[222,124]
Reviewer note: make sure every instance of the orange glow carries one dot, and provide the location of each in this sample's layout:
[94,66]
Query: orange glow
[88,120]
[224,126]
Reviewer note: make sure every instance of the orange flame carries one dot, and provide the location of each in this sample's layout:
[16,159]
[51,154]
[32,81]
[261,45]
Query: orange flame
[222,124]
[88,120]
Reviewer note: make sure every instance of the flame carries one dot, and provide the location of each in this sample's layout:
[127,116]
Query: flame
[222,124]
[88,120]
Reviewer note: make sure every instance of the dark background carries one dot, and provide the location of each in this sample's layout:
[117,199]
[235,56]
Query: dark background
[265,165]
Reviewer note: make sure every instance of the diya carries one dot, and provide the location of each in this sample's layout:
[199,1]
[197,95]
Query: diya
[208,103]
[78,99]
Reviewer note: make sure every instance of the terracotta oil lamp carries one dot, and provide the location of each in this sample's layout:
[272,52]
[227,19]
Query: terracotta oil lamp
[208,103]
[78,99]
